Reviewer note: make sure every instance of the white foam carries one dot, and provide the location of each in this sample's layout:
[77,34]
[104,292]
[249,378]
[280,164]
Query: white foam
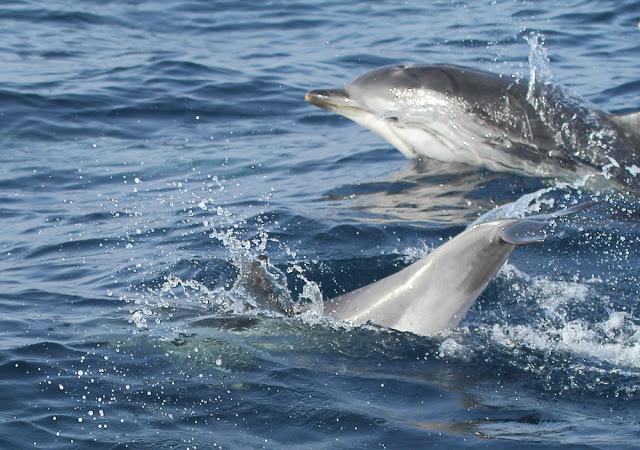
[451,348]
[138,319]
[619,346]
[606,169]
[615,340]
[633,170]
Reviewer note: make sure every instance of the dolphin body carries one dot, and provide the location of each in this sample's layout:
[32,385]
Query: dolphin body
[458,114]
[435,292]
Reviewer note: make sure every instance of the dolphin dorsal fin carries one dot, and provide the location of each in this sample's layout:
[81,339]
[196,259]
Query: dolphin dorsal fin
[629,121]
[532,229]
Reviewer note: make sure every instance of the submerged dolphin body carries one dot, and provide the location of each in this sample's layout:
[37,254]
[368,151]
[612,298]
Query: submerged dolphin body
[458,114]
[435,292]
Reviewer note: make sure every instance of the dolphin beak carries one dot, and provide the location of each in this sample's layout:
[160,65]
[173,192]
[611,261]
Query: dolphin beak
[331,99]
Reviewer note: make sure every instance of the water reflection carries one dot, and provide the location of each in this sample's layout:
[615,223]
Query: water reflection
[431,191]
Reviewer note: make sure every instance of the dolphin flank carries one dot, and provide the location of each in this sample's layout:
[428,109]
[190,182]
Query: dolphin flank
[459,114]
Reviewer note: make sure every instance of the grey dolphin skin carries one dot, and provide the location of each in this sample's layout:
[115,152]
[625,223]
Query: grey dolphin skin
[436,292]
[458,114]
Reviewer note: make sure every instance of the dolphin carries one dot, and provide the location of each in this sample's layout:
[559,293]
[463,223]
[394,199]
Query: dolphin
[506,124]
[434,293]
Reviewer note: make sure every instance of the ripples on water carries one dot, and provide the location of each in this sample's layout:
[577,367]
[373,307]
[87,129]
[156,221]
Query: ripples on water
[149,148]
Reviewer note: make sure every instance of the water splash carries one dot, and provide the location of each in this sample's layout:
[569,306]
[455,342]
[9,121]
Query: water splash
[578,125]
[608,342]
[527,204]
[553,197]
[256,285]
[540,74]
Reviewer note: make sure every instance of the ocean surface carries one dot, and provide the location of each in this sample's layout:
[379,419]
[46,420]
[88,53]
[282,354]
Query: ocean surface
[150,149]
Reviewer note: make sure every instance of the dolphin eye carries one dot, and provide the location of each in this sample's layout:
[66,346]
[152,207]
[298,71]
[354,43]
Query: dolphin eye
[392,118]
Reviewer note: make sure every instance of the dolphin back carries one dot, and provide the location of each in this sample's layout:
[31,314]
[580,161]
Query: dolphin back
[630,122]
[436,292]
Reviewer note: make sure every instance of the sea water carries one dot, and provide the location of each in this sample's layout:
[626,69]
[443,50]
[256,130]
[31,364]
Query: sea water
[149,149]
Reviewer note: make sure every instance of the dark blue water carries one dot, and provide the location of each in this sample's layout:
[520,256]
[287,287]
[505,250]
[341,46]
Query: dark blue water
[149,148]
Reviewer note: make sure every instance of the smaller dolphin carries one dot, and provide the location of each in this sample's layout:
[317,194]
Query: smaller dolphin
[436,292]
[459,114]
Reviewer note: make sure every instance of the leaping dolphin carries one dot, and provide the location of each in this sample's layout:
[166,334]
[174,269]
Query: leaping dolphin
[458,114]
[435,292]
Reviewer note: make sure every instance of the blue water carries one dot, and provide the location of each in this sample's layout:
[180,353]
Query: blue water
[148,148]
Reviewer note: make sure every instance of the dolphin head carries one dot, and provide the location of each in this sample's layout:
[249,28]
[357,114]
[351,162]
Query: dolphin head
[399,87]
[448,113]
[405,104]
[387,90]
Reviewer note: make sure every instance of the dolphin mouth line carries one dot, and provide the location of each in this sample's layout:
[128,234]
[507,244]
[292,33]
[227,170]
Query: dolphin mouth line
[332,99]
